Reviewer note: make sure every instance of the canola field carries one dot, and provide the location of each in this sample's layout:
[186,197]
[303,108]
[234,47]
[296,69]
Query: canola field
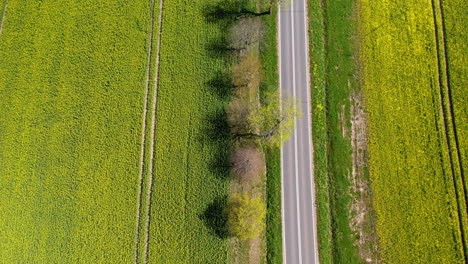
[414,81]
[72,79]
[192,143]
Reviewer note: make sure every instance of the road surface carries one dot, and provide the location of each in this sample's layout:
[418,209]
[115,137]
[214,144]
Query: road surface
[299,221]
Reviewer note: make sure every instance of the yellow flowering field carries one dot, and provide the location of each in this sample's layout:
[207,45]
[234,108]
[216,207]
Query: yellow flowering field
[414,82]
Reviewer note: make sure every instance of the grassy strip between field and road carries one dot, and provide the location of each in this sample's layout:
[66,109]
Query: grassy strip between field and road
[317,42]
[72,85]
[414,84]
[332,26]
[269,57]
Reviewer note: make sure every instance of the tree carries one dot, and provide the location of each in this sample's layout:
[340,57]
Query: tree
[245,33]
[246,216]
[248,72]
[246,163]
[274,121]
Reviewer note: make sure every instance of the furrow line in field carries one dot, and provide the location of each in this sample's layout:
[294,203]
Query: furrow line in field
[153,128]
[449,94]
[143,132]
[3,16]
[448,115]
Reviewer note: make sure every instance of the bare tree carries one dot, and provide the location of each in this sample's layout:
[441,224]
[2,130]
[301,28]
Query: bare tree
[245,33]
[248,72]
[237,113]
[246,163]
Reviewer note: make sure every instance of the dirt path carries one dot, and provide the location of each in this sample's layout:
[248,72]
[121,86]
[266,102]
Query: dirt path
[3,16]
[143,133]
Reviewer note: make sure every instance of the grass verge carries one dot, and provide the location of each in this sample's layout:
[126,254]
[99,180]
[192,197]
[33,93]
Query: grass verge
[332,75]
[269,57]
[317,50]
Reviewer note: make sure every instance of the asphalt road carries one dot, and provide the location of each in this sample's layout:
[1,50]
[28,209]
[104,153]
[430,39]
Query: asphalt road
[299,218]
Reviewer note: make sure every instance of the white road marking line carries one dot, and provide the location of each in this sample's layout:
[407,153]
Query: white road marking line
[295,145]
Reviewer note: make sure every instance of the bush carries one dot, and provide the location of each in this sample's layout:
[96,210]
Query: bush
[246,216]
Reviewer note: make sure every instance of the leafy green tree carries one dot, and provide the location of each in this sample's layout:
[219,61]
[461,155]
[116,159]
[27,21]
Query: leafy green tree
[246,216]
[274,121]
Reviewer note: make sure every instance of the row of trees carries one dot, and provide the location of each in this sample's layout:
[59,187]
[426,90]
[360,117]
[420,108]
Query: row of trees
[252,125]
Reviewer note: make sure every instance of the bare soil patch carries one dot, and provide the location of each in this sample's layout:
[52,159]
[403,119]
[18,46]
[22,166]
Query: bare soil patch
[362,220]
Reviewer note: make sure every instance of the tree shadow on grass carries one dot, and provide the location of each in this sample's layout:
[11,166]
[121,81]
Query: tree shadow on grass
[221,84]
[224,12]
[215,217]
[219,48]
[218,133]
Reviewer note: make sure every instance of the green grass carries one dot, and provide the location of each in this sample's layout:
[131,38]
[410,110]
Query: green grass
[191,140]
[274,237]
[71,85]
[413,164]
[319,128]
[332,69]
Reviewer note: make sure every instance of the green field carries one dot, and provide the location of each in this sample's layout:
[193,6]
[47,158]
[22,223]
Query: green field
[71,84]
[414,81]
[78,83]
[191,140]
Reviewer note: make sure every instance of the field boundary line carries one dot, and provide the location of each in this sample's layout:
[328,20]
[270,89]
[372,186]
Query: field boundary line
[448,117]
[143,132]
[153,128]
[3,16]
